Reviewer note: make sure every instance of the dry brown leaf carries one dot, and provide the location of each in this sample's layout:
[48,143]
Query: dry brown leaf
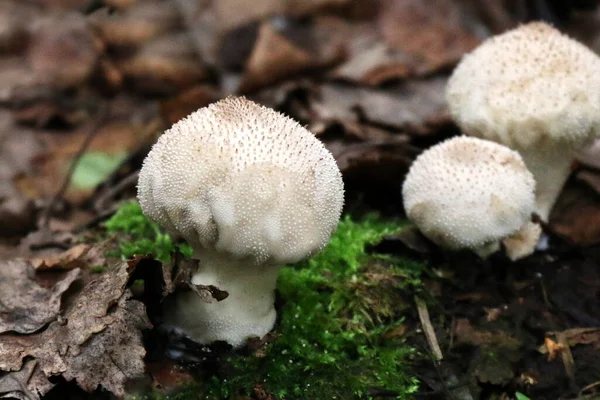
[27,306]
[79,256]
[274,58]
[434,33]
[416,106]
[97,343]
[137,24]
[578,336]
[552,348]
[188,101]
[231,14]
[63,51]
[164,64]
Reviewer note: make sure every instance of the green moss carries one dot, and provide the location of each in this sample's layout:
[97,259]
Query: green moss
[338,331]
[98,269]
[339,310]
[145,237]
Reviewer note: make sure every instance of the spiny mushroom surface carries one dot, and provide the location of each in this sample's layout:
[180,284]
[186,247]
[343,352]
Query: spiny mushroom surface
[534,90]
[250,190]
[470,193]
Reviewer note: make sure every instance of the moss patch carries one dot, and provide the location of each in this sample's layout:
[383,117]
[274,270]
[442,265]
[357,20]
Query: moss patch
[145,237]
[341,310]
[339,329]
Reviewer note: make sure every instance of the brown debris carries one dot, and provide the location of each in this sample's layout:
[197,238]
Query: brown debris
[137,24]
[26,305]
[63,50]
[79,256]
[274,58]
[164,65]
[433,33]
[97,343]
[415,106]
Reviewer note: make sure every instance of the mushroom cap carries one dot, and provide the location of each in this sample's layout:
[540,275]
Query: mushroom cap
[530,86]
[467,193]
[243,179]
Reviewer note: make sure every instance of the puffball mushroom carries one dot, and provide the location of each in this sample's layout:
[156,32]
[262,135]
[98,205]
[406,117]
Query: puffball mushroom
[470,193]
[534,90]
[250,190]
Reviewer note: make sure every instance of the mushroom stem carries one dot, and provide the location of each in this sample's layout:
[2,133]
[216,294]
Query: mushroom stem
[550,166]
[247,311]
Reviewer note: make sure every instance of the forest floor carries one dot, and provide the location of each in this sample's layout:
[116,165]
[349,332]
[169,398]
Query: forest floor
[87,86]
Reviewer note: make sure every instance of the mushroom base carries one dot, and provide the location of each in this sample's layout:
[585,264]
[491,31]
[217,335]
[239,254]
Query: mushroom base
[247,311]
[550,166]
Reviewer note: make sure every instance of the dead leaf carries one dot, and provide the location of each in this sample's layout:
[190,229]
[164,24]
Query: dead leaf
[433,33]
[164,64]
[63,51]
[79,256]
[188,101]
[25,305]
[234,13]
[275,57]
[578,336]
[552,348]
[24,384]
[135,25]
[416,106]
[97,343]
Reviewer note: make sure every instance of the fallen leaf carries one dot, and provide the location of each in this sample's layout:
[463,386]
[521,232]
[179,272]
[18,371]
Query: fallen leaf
[97,343]
[135,25]
[416,106]
[234,13]
[25,305]
[552,348]
[79,256]
[63,51]
[578,336]
[275,57]
[188,101]
[433,33]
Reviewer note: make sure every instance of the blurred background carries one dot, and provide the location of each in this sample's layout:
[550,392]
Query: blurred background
[96,81]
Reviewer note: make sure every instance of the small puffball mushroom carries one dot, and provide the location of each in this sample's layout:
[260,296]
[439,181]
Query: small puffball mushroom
[534,90]
[470,193]
[250,190]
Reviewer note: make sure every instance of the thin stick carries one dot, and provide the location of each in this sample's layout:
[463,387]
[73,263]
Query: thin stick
[47,213]
[428,329]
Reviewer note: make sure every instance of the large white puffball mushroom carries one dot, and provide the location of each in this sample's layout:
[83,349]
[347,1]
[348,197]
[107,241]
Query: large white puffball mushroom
[470,193]
[250,190]
[534,90]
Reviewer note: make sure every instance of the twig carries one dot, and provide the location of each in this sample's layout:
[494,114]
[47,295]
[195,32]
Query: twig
[428,329]
[47,213]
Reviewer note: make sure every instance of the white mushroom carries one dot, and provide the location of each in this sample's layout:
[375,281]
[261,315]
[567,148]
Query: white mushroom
[534,90]
[250,190]
[469,193]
